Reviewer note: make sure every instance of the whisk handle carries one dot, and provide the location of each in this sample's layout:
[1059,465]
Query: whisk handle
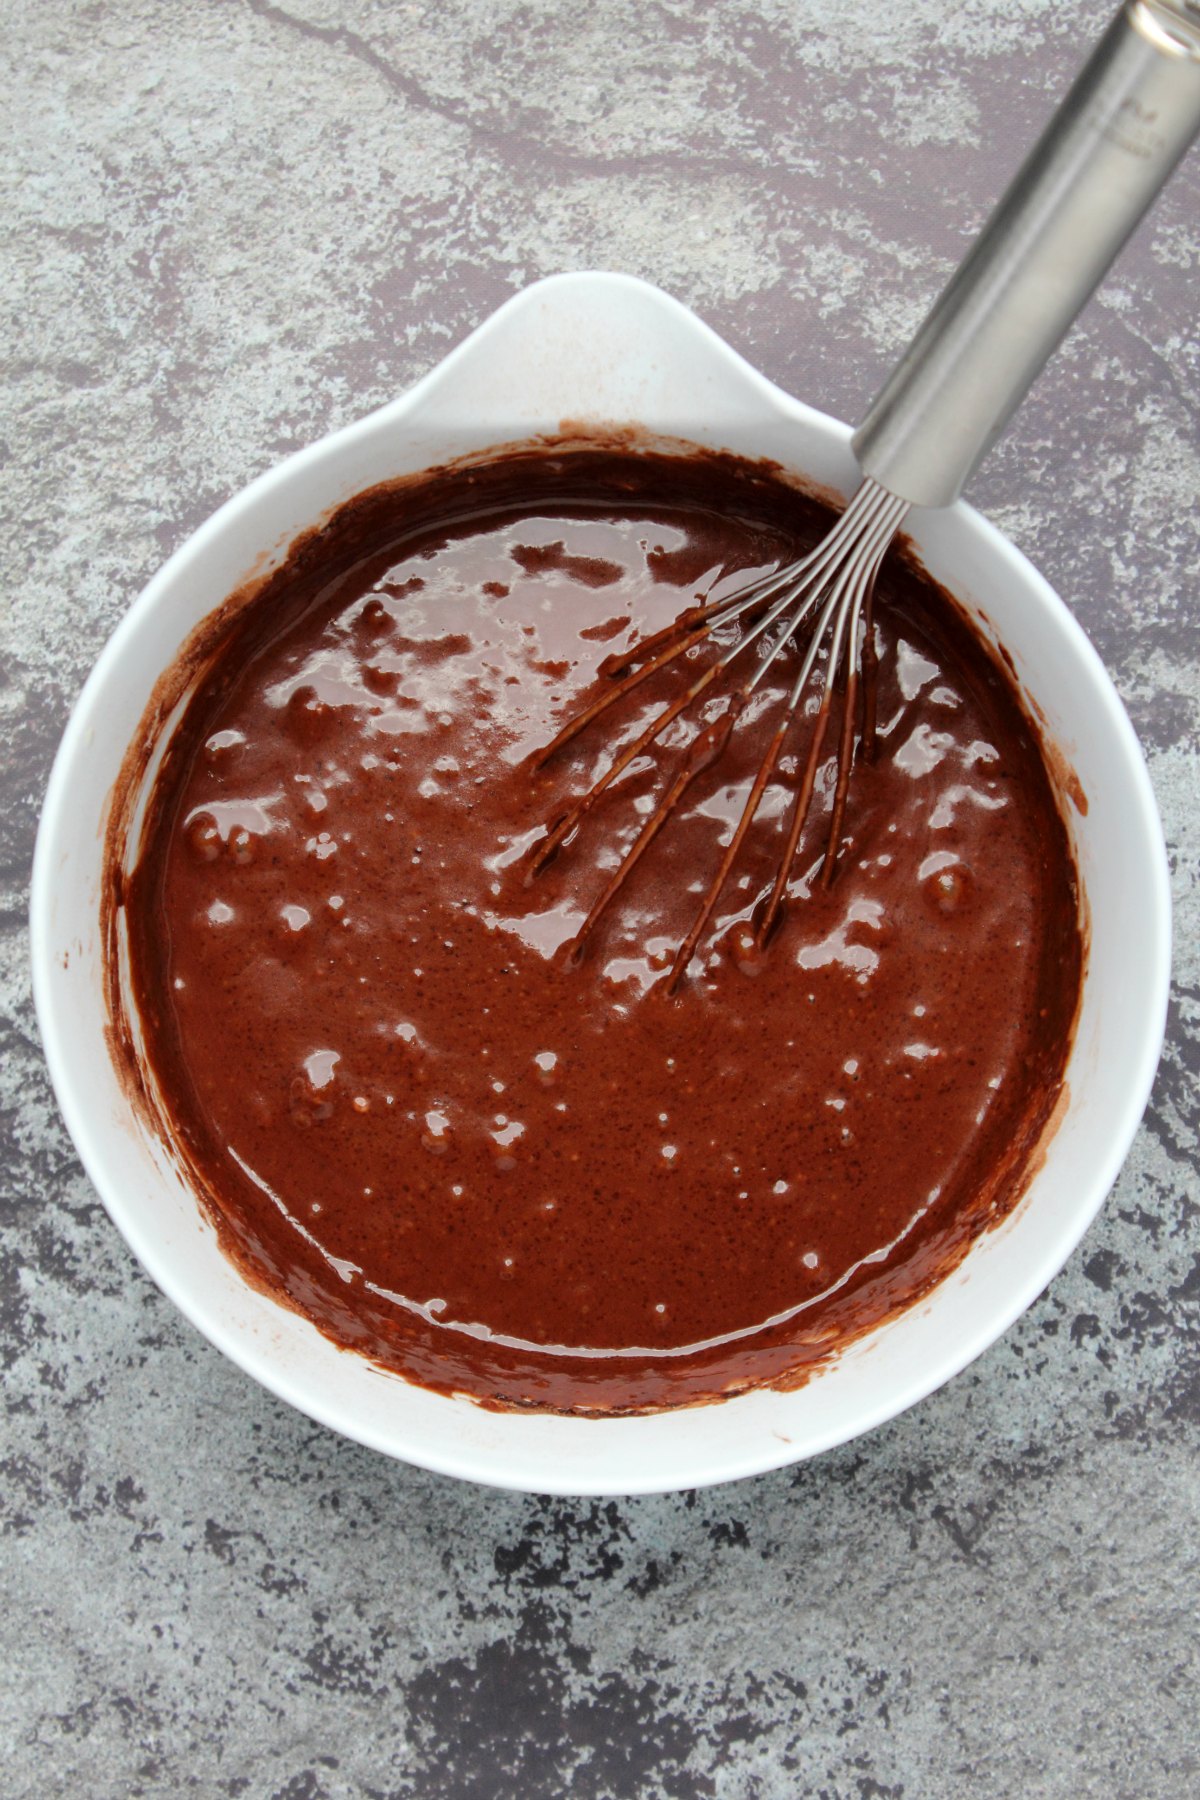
[1108,150]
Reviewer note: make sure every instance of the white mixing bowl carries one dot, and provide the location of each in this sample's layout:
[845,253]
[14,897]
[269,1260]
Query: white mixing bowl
[596,348]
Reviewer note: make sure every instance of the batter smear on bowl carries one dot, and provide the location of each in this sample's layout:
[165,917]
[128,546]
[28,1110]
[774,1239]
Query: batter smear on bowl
[498,1171]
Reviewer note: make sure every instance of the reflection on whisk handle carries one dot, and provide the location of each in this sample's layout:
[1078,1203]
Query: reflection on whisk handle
[1108,150]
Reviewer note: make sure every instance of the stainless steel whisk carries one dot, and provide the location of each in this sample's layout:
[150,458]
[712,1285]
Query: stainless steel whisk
[1129,118]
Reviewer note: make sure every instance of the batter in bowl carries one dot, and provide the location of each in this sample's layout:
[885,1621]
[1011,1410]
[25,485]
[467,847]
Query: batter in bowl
[550,1183]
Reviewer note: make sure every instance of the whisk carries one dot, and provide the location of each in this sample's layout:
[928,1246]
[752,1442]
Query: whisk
[1108,150]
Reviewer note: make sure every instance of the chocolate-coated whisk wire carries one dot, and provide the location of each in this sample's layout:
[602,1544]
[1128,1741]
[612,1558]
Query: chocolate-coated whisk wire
[834,582]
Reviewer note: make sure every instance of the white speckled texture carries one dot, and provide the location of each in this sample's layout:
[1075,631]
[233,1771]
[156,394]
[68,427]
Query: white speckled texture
[231,227]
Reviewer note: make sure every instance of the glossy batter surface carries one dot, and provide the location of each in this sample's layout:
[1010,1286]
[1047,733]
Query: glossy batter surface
[546,1183]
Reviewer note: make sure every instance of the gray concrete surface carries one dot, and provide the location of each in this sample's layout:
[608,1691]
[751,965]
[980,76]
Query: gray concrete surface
[231,225]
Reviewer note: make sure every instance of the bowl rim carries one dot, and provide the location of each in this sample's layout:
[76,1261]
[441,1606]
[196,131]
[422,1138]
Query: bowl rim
[539,1474]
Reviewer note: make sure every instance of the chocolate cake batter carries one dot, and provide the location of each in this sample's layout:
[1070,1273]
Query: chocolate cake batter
[553,1183]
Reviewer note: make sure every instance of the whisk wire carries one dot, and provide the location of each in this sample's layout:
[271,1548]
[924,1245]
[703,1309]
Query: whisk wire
[856,578]
[836,582]
[801,588]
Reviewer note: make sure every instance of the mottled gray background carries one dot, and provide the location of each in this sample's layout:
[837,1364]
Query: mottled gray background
[231,226]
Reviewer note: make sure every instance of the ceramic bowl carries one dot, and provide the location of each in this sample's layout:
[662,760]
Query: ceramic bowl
[599,348]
